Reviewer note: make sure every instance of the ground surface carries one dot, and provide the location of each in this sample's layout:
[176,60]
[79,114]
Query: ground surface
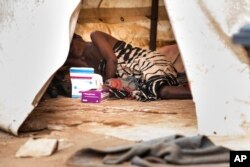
[112,122]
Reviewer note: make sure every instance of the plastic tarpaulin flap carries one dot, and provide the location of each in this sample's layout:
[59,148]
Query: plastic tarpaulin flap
[34,42]
[218,69]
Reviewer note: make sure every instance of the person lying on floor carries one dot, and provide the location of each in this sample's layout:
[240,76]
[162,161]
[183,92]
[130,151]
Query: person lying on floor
[113,58]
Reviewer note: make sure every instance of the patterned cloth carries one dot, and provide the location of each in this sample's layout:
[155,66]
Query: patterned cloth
[121,87]
[151,70]
[128,84]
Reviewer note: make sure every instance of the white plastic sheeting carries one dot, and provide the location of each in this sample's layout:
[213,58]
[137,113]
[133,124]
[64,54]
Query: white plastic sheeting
[34,42]
[217,69]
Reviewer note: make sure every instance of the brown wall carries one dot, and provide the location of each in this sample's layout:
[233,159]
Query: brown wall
[126,20]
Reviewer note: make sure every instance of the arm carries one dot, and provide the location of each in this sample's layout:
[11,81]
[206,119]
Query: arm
[105,44]
[175,92]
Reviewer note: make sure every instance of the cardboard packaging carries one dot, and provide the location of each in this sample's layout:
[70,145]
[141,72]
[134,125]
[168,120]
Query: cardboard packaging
[84,78]
[94,95]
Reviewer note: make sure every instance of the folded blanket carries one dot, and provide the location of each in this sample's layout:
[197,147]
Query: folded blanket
[175,149]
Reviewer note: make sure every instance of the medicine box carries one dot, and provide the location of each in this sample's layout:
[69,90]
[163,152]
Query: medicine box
[94,96]
[84,78]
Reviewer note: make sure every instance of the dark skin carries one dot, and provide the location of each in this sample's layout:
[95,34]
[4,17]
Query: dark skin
[89,54]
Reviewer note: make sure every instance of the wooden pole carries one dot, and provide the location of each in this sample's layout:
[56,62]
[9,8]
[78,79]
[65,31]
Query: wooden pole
[153,25]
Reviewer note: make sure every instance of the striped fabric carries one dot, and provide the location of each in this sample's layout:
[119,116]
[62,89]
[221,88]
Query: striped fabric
[150,68]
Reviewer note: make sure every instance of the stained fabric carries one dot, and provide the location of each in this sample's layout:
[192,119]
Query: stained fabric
[129,84]
[121,88]
[176,149]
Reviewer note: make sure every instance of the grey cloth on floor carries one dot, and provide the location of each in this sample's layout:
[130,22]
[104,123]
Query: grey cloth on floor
[175,149]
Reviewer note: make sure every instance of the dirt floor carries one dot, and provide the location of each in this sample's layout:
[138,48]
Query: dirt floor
[109,123]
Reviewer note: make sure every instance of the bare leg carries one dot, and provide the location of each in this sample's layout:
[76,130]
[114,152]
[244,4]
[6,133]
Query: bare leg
[175,92]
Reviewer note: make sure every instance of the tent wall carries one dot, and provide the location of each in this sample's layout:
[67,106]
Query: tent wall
[126,20]
[218,70]
[34,42]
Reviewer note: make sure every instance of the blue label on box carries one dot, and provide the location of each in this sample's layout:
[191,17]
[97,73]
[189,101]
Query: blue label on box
[82,70]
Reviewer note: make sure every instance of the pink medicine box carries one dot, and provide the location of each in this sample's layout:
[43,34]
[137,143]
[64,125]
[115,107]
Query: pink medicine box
[94,96]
